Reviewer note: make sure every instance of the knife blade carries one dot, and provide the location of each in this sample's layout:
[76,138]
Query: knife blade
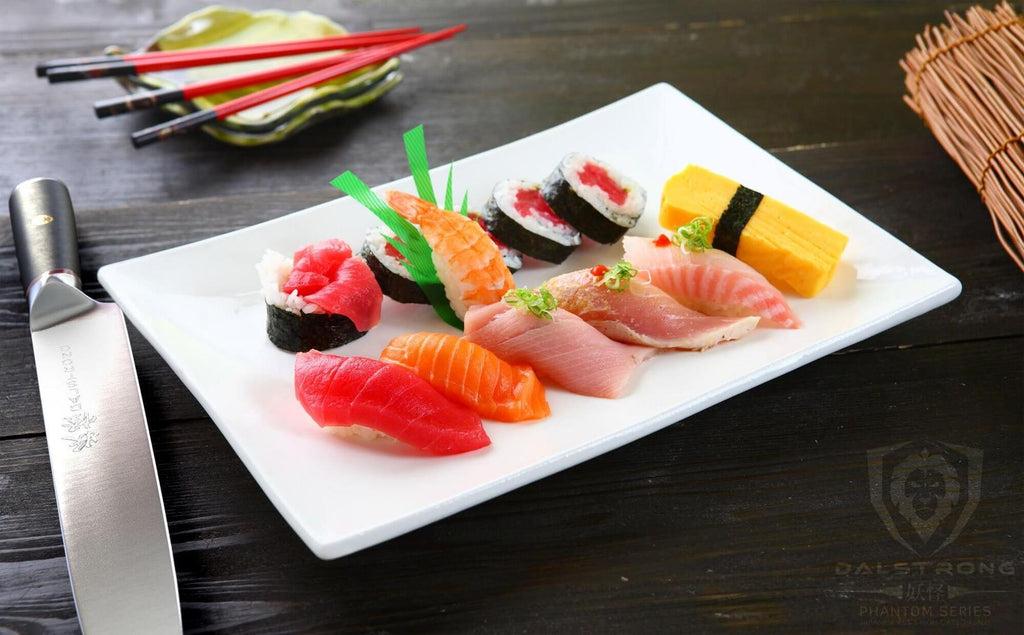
[104,476]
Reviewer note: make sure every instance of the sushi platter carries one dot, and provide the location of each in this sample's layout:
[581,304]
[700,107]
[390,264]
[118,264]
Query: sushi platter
[342,495]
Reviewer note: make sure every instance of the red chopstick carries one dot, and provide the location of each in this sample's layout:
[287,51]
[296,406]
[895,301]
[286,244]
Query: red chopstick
[153,98]
[190,122]
[138,63]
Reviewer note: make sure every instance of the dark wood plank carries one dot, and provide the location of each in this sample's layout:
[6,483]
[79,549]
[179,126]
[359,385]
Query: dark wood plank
[713,522]
[779,72]
[746,515]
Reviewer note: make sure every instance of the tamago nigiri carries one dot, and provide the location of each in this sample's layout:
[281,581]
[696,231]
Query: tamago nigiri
[706,279]
[471,375]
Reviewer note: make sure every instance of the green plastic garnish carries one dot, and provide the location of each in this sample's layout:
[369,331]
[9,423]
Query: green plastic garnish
[416,153]
[410,244]
[540,302]
[694,235]
[448,190]
[408,241]
[618,276]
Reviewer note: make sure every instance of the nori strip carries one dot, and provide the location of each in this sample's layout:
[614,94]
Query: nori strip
[730,224]
[395,286]
[300,332]
[571,208]
[508,231]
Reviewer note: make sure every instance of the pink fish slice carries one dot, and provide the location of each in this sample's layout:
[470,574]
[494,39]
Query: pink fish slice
[641,313]
[563,348]
[712,281]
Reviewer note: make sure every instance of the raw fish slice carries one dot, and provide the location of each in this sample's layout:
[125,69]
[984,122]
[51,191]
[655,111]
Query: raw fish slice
[468,262]
[564,349]
[471,375]
[322,257]
[346,391]
[712,281]
[642,314]
[353,292]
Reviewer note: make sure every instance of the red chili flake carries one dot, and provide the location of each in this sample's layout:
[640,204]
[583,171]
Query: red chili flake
[599,271]
[662,241]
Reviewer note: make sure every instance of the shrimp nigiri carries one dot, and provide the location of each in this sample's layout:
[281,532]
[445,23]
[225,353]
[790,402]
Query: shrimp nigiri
[468,262]
[471,375]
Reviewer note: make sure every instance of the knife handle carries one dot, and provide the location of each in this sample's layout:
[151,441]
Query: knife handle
[45,237]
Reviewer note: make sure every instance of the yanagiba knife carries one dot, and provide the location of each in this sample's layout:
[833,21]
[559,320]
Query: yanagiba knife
[108,496]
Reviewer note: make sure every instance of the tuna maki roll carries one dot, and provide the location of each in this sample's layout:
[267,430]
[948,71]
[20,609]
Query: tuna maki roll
[594,197]
[387,266]
[513,257]
[517,215]
[321,298]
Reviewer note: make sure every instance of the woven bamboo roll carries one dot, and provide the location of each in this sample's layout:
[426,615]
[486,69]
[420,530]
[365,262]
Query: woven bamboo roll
[965,79]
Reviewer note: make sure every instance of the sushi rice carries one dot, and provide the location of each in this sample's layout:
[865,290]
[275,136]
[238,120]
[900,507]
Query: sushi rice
[274,270]
[588,206]
[394,279]
[505,193]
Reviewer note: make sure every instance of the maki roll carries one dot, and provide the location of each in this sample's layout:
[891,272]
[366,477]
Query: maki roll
[389,269]
[594,197]
[513,257]
[518,215]
[322,297]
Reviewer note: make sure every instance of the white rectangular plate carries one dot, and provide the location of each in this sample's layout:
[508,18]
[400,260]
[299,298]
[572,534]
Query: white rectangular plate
[200,307]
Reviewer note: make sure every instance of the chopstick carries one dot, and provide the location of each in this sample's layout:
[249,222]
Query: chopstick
[153,98]
[190,122]
[138,63]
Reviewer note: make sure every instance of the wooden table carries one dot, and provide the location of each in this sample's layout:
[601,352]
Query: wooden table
[755,512]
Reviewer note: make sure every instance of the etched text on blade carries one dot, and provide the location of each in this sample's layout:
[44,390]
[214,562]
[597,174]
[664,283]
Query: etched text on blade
[108,496]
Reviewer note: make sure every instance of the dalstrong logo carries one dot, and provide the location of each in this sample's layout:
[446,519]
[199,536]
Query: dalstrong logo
[925,492]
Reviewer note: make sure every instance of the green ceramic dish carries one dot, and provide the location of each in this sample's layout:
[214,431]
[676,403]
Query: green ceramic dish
[278,119]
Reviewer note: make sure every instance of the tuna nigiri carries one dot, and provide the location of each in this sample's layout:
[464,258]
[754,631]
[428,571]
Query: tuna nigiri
[471,375]
[347,391]
[468,262]
[558,345]
[710,281]
[636,312]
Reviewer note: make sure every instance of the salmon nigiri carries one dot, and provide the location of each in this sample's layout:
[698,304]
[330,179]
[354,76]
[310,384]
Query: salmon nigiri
[471,375]
[468,263]
[710,281]
[351,391]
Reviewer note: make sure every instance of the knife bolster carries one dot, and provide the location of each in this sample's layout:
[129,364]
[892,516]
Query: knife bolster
[66,276]
[55,302]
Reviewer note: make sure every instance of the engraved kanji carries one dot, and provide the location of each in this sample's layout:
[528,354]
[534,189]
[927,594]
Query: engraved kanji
[85,440]
[77,422]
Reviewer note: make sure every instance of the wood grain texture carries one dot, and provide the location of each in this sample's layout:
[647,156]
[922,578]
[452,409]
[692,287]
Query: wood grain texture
[744,515]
